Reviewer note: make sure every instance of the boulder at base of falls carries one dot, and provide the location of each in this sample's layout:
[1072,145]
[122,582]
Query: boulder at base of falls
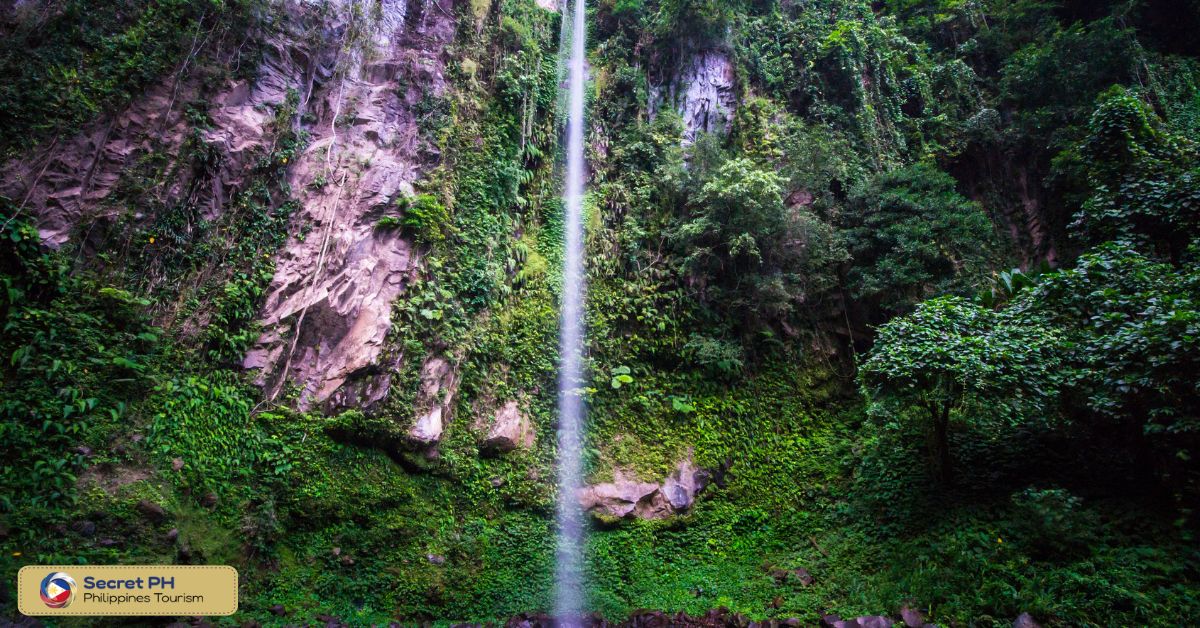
[625,497]
[510,429]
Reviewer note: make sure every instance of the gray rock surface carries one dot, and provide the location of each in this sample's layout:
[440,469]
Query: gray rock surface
[67,183]
[912,618]
[625,497]
[435,399]
[702,91]
[1025,620]
[510,429]
[328,308]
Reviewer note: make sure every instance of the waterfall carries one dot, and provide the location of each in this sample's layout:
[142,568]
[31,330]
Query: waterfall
[568,603]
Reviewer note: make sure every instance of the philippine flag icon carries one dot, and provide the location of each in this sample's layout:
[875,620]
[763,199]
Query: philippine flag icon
[58,589]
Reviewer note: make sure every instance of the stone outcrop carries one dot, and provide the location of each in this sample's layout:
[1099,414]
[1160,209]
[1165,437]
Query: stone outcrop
[1025,620]
[625,497]
[67,185]
[358,69]
[510,429]
[702,90]
[328,309]
[435,400]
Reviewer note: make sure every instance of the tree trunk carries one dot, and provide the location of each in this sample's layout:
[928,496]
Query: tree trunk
[941,444]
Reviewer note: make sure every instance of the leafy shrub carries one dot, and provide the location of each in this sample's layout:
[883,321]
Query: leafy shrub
[77,353]
[388,223]
[953,359]
[206,422]
[911,235]
[1144,180]
[717,356]
[425,215]
[1052,522]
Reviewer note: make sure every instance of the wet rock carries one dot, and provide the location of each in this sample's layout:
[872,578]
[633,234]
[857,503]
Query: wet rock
[439,383]
[681,487]
[625,497]
[874,621]
[620,498]
[84,528]
[912,617]
[1025,620]
[702,92]
[106,542]
[435,559]
[84,451]
[278,610]
[329,621]
[209,500]
[151,510]
[803,576]
[510,429]
[327,311]
[529,621]
[172,535]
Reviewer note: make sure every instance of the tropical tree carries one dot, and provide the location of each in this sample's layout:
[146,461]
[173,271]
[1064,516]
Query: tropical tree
[1136,325]
[742,247]
[911,236]
[1143,180]
[951,360]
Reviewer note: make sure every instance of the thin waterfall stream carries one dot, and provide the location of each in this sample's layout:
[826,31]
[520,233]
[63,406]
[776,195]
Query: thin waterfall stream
[568,602]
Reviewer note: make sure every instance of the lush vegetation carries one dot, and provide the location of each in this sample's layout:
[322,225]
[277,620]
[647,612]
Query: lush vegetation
[928,309]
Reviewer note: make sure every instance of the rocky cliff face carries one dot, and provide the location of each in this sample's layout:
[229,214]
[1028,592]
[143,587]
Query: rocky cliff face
[347,76]
[328,308]
[702,91]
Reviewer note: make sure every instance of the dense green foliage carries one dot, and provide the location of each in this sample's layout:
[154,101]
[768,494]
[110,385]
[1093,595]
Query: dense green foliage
[912,235]
[788,303]
[72,365]
[951,356]
[66,62]
[1143,177]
